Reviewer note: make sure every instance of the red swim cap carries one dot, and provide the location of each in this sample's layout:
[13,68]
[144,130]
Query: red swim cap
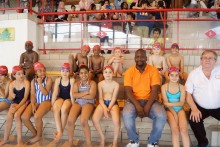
[110,67]
[29,42]
[173,68]
[3,70]
[38,65]
[175,45]
[15,69]
[96,46]
[65,66]
[86,47]
[156,45]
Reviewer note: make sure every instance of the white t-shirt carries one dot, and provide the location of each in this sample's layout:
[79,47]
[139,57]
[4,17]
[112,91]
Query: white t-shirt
[193,2]
[205,92]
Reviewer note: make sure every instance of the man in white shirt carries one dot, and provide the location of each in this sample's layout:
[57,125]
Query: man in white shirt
[203,95]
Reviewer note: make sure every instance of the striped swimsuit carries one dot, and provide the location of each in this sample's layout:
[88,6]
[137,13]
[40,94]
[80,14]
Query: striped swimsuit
[39,95]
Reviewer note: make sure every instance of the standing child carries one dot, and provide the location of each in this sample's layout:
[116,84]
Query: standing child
[177,60]
[96,64]
[4,88]
[19,91]
[40,102]
[173,98]
[157,39]
[81,58]
[157,60]
[108,92]
[61,99]
[84,92]
[117,61]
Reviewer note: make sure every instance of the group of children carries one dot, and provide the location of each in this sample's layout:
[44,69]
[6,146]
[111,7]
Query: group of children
[71,98]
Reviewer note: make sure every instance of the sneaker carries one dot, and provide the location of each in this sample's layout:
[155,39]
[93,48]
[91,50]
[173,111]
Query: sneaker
[132,144]
[153,145]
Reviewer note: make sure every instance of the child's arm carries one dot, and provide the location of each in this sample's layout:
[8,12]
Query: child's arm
[33,96]
[90,64]
[101,100]
[114,96]
[110,60]
[45,90]
[21,60]
[102,65]
[55,90]
[11,92]
[72,80]
[76,93]
[150,62]
[181,65]
[35,57]
[164,65]
[168,62]
[92,91]
[121,59]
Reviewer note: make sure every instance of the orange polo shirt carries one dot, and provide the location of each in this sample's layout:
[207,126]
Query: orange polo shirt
[141,82]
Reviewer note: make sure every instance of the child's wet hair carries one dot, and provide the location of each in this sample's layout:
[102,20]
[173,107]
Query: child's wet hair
[83,67]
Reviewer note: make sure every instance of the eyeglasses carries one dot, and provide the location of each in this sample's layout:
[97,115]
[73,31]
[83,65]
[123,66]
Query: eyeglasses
[208,58]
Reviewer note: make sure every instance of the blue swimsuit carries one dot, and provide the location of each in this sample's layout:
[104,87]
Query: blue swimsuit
[19,95]
[174,98]
[64,90]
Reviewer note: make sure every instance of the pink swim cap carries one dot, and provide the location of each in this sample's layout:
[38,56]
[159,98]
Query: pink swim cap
[86,47]
[38,65]
[3,70]
[15,69]
[65,66]
[110,67]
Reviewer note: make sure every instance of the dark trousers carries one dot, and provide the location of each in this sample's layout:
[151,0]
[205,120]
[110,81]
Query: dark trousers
[199,129]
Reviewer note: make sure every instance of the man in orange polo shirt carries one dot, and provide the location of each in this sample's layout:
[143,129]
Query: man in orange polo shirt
[142,83]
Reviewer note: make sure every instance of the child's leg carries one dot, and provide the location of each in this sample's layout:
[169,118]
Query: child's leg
[96,121]
[65,112]
[3,106]
[120,69]
[87,110]
[174,128]
[100,77]
[17,117]
[73,115]
[72,64]
[8,125]
[183,128]
[56,111]
[115,67]
[166,77]
[25,117]
[185,76]
[115,113]
[43,108]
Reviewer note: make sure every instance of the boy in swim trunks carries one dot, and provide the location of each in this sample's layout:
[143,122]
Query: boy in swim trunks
[108,106]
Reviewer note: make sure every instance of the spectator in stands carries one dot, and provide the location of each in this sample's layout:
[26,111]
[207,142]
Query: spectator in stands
[160,16]
[27,60]
[3,4]
[196,4]
[157,60]
[62,99]
[157,39]
[116,61]
[85,4]
[203,92]
[217,5]
[5,101]
[61,17]
[25,7]
[96,64]
[80,59]
[84,92]
[173,94]
[40,96]
[71,17]
[177,60]
[108,105]
[118,3]
[142,84]
[92,16]
[47,8]
[19,91]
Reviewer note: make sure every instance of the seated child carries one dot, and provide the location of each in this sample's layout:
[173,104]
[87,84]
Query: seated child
[61,99]
[117,61]
[4,88]
[96,64]
[27,60]
[108,93]
[177,60]
[157,60]
[173,95]
[81,58]
[19,91]
[84,92]
[40,102]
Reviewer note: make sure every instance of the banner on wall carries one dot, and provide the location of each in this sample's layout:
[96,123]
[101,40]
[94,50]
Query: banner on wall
[7,34]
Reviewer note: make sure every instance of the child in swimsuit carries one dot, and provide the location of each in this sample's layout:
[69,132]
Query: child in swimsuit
[173,95]
[19,91]
[4,88]
[108,93]
[41,91]
[84,92]
[61,99]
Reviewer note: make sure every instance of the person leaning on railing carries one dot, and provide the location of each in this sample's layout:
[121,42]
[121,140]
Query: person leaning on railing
[61,8]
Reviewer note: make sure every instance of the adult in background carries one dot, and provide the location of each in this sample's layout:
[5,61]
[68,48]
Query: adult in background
[203,95]
[142,82]
[27,60]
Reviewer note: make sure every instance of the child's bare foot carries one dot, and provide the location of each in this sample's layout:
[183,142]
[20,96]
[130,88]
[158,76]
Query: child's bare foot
[34,139]
[3,142]
[57,136]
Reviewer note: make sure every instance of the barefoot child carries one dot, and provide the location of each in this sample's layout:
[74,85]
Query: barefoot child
[4,88]
[61,99]
[96,64]
[19,91]
[157,60]
[81,58]
[84,92]
[177,60]
[108,92]
[173,95]
[117,61]
[40,102]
